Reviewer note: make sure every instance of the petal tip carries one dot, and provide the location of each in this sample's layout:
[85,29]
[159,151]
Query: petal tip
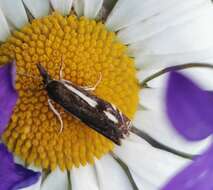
[188,107]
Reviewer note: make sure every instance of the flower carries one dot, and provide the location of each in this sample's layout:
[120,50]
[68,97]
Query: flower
[150,35]
[193,121]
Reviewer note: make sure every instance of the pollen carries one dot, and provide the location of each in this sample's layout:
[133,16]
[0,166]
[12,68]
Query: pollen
[88,50]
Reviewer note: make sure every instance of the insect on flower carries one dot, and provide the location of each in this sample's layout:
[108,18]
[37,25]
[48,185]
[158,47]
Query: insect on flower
[95,112]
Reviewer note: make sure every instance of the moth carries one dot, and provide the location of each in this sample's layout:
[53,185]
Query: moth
[96,113]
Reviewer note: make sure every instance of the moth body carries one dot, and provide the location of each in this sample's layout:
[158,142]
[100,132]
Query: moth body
[95,112]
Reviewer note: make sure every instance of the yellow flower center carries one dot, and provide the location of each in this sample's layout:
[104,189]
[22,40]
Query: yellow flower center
[88,50]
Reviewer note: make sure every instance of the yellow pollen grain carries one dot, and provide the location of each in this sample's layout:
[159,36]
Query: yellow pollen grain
[87,49]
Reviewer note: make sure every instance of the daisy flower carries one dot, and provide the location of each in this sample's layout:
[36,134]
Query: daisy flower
[126,45]
[193,121]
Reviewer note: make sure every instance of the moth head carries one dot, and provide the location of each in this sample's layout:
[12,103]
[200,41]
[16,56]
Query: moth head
[46,77]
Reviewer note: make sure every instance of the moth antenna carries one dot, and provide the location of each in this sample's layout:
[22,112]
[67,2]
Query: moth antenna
[174,68]
[57,114]
[126,169]
[159,145]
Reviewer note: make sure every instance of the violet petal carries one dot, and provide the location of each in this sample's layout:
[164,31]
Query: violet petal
[189,108]
[8,94]
[197,176]
[14,176]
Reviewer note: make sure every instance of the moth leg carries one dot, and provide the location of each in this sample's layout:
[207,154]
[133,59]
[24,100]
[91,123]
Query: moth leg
[57,114]
[92,88]
[87,88]
[61,68]
[61,72]
[66,81]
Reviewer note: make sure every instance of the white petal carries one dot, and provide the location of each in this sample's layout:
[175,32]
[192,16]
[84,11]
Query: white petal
[5,31]
[36,186]
[88,8]
[156,124]
[142,183]
[158,82]
[180,38]
[159,61]
[150,64]
[92,8]
[152,98]
[202,77]
[32,167]
[153,165]
[11,9]
[38,8]
[56,180]
[84,178]
[128,12]
[154,120]
[180,13]
[18,160]
[63,6]
[111,175]
[79,7]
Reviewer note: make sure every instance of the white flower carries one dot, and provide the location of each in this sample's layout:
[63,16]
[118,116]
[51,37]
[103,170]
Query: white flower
[159,33]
